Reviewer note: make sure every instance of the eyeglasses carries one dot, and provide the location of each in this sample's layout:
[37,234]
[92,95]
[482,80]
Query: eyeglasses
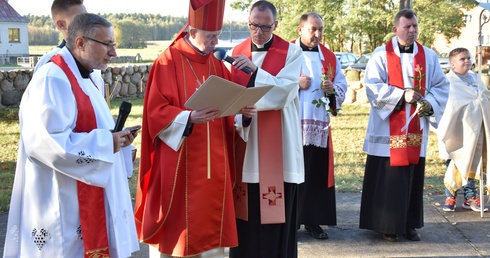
[108,45]
[264,28]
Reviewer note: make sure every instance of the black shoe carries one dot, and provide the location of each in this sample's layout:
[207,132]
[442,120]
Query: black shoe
[316,231]
[412,235]
[390,237]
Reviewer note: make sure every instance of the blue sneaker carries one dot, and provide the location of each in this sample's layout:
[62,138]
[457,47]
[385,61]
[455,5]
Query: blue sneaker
[473,204]
[450,204]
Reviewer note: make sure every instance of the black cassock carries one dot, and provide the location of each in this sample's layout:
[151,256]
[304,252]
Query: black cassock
[392,197]
[257,240]
[316,204]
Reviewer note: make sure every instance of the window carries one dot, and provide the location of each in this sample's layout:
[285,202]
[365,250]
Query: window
[352,59]
[467,18]
[14,35]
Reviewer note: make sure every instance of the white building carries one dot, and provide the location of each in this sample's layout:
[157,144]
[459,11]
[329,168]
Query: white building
[469,36]
[14,41]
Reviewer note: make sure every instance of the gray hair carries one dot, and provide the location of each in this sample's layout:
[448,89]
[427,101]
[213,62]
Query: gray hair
[85,24]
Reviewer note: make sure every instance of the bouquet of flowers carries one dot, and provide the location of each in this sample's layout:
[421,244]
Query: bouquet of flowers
[328,101]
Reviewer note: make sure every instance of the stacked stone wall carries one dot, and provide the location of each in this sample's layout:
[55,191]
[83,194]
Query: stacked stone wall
[123,82]
[128,82]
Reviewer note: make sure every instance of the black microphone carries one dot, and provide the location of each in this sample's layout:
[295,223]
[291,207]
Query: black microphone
[124,111]
[220,54]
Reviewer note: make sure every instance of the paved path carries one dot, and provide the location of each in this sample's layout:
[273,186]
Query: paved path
[461,233]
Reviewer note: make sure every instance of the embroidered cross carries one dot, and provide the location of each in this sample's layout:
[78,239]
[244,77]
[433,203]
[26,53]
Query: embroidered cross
[272,195]
[238,192]
[398,141]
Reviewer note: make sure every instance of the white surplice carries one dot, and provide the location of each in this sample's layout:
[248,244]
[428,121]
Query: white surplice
[44,216]
[314,120]
[383,97]
[283,96]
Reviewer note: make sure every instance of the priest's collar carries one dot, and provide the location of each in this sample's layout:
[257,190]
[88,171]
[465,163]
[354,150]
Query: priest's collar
[264,47]
[62,44]
[306,48]
[405,49]
[186,38]
[83,71]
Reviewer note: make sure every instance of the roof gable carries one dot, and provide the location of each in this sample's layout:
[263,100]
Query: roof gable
[8,13]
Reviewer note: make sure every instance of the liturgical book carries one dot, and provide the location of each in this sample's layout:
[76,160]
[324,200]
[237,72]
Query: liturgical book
[226,95]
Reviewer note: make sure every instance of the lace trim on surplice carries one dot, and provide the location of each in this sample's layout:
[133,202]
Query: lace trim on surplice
[315,133]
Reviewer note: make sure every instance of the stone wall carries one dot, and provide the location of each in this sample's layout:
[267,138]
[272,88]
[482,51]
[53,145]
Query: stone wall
[130,81]
[123,82]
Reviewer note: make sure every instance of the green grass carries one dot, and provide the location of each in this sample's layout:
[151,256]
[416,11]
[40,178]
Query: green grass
[9,137]
[349,128]
[148,54]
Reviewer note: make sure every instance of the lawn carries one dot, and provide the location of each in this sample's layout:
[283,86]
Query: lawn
[348,134]
[148,54]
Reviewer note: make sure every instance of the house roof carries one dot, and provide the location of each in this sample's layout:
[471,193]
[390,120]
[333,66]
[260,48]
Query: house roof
[9,14]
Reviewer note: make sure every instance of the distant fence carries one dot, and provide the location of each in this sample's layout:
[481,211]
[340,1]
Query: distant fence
[127,59]
[120,82]
[28,61]
[31,61]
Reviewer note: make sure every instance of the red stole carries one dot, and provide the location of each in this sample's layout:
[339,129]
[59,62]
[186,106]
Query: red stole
[269,123]
[405,146]
[330,63]
[90,198]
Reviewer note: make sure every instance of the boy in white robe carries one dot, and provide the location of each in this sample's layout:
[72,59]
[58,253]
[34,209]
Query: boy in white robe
[464,128]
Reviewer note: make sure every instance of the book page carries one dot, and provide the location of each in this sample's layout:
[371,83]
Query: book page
[227,96]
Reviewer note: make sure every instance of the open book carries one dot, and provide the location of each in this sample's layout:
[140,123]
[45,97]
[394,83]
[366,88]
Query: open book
[226,95]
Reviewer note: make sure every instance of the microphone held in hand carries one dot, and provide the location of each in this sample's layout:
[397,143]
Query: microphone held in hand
[220,54]
[124,111]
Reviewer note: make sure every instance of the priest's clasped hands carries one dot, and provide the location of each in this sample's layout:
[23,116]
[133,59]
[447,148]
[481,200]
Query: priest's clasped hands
[413,96]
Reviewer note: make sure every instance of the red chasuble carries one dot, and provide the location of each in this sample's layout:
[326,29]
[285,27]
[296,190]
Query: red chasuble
[269,123]
[178,209]
[405,146]
[90,198]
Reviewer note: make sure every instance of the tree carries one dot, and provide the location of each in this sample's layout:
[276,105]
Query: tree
[130,34]
[405,4]
[363,25]
[370,22]
[448,21]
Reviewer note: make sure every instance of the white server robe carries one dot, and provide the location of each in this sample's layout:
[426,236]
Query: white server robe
[283,96]
[383,98]
[44,204]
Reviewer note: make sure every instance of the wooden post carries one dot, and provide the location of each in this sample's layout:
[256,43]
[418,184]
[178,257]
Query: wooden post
[107,94]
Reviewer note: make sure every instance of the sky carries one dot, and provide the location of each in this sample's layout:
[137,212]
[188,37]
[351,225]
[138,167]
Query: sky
[162,7]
